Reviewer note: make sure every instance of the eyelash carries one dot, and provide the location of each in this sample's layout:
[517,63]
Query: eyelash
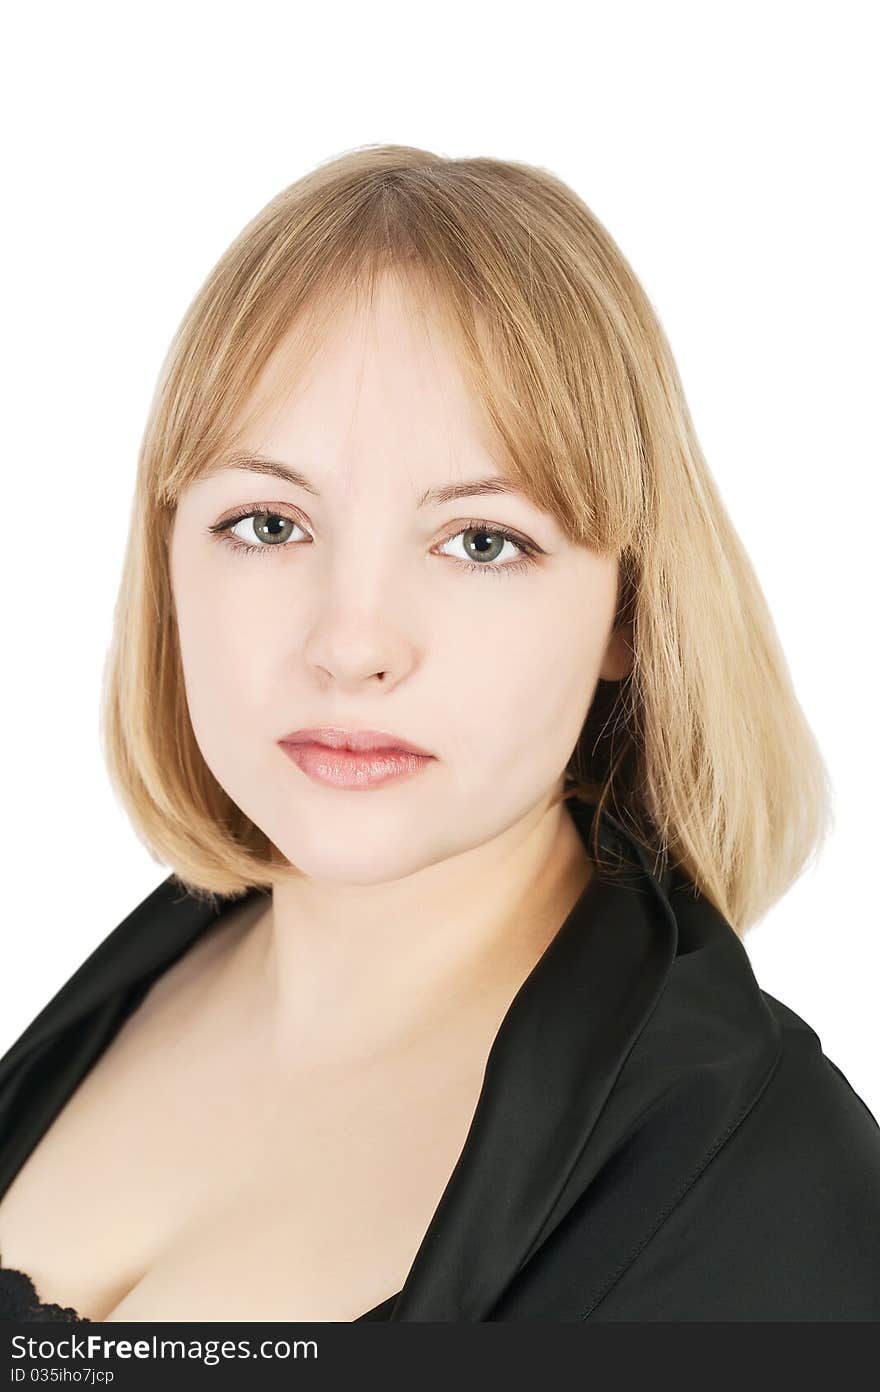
[530,552]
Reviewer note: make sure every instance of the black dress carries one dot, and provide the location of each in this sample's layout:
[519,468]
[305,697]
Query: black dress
[656,1138]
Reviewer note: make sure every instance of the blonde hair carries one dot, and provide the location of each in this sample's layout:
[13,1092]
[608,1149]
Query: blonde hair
[703,751]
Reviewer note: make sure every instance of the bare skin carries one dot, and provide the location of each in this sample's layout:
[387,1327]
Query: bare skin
[270,1133]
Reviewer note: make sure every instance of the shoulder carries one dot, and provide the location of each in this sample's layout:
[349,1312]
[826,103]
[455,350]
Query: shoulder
[814,1095]
[783,1223]
[818,1147]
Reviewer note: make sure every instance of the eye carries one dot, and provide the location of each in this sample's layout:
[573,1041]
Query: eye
[272,529]
[483,540]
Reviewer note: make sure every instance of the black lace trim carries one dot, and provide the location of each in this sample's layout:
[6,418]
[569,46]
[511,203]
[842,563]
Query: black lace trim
[19,1301]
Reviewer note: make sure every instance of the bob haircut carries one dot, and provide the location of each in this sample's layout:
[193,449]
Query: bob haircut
[703,750]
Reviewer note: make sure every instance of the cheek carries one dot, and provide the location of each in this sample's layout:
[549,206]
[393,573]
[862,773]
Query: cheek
[228,643]
[525,683]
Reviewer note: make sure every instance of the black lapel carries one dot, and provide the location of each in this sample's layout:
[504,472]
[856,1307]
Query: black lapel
[637,1042]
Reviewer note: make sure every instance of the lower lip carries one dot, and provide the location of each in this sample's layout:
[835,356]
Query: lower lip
[347,768]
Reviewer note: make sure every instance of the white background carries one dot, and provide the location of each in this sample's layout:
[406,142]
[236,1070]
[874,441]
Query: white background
[731,152]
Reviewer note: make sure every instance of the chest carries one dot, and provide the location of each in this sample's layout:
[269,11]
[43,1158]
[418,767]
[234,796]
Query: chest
[183,1181]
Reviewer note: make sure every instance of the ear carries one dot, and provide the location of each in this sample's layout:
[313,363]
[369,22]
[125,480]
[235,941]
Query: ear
[618,659]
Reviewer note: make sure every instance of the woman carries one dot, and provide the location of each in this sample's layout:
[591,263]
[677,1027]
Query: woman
[444,1011]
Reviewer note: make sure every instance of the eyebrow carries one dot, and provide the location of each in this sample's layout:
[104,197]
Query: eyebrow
[257,464]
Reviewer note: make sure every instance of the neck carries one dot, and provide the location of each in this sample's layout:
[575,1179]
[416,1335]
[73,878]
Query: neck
[340,974]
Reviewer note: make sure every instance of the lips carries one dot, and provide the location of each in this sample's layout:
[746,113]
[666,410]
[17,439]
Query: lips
[335,737]
[371,765]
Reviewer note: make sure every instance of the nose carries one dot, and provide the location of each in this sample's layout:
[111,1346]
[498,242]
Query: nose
[350,646]
[362,622]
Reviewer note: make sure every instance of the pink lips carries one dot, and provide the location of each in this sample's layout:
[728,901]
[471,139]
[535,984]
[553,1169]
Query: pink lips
[353,758]
[335,737]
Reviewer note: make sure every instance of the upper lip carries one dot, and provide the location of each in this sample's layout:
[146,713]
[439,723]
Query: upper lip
[335,737]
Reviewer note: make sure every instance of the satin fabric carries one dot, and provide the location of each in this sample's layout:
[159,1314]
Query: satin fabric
[656,1138]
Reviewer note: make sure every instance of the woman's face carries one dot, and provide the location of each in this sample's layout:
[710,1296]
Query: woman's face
[366,614]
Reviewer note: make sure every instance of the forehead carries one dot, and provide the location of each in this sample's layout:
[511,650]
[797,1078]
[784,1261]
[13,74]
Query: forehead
[377,385]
